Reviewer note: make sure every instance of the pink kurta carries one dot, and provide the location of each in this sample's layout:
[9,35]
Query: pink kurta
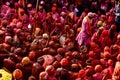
[84,36]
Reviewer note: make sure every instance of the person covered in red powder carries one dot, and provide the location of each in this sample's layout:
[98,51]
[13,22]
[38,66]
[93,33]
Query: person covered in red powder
[96,36]
[113,33]
[104,38]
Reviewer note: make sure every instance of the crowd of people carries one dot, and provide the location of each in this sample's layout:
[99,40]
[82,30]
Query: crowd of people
[60,39]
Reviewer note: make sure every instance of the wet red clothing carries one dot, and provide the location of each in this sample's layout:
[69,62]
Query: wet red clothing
[95,62]
[104,39]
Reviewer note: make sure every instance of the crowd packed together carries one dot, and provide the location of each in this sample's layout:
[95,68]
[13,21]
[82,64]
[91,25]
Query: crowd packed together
[60,39]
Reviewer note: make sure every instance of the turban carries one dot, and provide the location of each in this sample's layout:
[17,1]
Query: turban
[98,68]
[78,29]
[91,54]
[19,24]
[15,21]
[17,74]
[54,8]
[43,76]
[93,44]
[29,5]
[18,31]
[82,72]
[107,54]
[8,38]
[74,66]
[37,31]
[62,13]
[64,62]
[110,62]
[101,28]
[49,14]
[116,47]
[71,15]
[45,36]
[105,33]
[54,5]
[113,26]
[50,69]
[42,2]
[103,16]
[7,3]
[106,48]
[25,61]
[99,24]
[90,14]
